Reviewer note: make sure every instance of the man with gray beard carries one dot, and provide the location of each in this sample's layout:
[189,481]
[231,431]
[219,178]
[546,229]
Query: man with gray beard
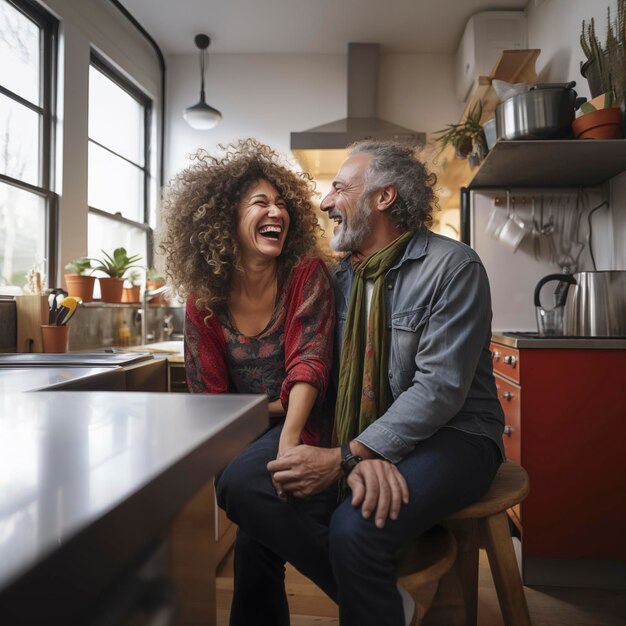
[418,425]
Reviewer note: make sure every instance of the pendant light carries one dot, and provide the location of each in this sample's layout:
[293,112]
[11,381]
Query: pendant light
[202,116]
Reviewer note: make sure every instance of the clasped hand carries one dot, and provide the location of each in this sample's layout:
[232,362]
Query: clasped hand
[377,485]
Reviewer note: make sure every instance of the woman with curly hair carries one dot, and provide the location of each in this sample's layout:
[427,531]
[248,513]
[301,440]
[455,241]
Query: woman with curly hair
[240,245]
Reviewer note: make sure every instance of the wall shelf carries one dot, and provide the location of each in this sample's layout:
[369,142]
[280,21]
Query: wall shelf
[513,66]
[551,163]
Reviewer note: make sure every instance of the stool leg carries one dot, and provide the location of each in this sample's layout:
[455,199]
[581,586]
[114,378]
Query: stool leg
[504,570]
[466,534]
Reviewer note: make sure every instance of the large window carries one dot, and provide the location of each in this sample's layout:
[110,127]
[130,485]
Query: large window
[28,207]
[119,157]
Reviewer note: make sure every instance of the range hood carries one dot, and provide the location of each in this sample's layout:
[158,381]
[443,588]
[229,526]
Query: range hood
[321,150]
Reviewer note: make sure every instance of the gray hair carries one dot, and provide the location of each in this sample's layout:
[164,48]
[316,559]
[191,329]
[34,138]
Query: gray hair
[396,164]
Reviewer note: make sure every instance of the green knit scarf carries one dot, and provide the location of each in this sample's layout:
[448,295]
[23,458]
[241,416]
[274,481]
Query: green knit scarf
[364,394]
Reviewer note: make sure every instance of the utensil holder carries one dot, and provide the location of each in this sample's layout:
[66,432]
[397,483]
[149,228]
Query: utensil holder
[55,338]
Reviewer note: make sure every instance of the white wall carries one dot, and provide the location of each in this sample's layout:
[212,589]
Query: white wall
[266,96]
[84,24]
[270,95]
[554,26]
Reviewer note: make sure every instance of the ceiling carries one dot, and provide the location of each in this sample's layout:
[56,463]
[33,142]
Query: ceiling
[309,26]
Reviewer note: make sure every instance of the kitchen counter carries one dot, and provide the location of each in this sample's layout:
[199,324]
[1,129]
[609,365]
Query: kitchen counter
[61,379]
[530,340]
[90,479]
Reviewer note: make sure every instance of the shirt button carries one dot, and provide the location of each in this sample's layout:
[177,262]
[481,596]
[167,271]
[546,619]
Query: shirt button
[389,286]
[390,375]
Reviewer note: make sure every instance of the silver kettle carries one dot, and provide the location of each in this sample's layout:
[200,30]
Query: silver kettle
[593,303]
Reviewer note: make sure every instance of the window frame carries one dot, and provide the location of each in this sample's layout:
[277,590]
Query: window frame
[48,60]
[104,66]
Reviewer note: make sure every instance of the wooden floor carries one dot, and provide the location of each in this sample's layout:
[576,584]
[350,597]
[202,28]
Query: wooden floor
[549,606]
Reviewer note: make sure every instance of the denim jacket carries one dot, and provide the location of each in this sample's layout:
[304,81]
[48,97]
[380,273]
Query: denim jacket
[440,368]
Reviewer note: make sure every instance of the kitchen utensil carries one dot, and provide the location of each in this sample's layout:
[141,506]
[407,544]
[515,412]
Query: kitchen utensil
[544,112]
[550,321]
[54,298]
[593,303]
[514,230]
[70,304]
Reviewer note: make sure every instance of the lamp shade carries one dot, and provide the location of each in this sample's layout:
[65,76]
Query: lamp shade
[202,116]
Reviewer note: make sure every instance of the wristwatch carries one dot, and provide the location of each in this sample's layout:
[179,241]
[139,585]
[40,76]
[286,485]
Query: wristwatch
[348,460]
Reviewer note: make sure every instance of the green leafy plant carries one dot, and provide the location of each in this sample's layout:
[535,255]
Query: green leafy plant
[116,266]
[154,276]
[134,278]
[81,266]
[465,137]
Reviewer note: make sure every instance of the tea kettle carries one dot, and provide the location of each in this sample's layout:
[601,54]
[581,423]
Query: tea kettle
[587,304]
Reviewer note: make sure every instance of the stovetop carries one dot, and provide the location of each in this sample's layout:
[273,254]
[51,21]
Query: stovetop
[529,339]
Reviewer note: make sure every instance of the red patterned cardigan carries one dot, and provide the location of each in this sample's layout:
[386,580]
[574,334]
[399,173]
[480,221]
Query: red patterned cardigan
[307,319]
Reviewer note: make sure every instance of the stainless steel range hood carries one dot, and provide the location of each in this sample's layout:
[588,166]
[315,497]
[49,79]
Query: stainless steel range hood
[321,150]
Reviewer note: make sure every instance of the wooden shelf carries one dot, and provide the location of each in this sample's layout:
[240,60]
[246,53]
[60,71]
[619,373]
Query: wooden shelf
[553,163]
[513,66]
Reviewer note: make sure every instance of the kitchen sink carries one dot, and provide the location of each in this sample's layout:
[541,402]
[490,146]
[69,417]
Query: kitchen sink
[86,359]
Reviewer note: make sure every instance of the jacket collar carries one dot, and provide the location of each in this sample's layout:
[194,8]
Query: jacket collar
[415,249]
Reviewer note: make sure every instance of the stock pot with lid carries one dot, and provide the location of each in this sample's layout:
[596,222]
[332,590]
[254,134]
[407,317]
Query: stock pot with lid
[546,111]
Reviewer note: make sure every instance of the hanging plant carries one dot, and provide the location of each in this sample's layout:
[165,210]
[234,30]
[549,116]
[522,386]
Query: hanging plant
[467,137]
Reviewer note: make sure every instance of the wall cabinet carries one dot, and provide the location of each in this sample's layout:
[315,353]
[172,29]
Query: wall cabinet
[565,422]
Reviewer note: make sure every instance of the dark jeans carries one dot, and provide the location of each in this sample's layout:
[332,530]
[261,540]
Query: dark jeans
[329,542]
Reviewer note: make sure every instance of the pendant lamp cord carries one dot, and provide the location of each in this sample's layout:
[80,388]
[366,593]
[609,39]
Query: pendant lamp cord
[202,57]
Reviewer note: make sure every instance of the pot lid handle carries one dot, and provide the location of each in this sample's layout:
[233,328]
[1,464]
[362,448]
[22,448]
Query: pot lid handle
[569,85]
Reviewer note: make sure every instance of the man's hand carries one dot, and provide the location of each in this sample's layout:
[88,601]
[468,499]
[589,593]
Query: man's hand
[305,470]
[378,486]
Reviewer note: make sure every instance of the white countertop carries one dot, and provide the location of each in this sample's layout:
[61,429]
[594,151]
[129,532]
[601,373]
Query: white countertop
[104,471]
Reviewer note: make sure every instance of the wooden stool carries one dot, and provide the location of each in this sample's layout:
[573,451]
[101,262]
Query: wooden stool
[423,563]
[487,519]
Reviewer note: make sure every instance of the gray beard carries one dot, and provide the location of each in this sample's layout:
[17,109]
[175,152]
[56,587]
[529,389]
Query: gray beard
[352,235]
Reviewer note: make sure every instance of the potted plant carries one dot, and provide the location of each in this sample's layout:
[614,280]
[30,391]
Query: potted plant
[595,68]
[78,279]
[467,137]
[132,293]
[155,280]
[601,119]
[114,267]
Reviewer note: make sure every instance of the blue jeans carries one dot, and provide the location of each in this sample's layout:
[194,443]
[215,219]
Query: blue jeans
[350,559]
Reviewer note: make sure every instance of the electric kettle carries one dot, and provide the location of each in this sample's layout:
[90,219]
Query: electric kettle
[587,304]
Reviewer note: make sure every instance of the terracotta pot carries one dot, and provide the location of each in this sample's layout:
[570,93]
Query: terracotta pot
[602,124]
[111,289]
[55,338]
[79,286]
[131,294]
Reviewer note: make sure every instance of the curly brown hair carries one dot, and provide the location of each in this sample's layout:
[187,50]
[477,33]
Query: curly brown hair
[199,220]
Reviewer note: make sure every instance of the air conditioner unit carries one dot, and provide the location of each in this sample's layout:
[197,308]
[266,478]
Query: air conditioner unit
[485,36]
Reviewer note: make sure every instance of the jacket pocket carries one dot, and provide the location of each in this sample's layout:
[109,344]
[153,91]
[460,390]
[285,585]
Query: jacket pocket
[406,331]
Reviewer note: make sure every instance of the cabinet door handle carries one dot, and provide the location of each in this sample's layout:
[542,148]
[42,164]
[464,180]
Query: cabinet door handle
[495,355]
[508,430]
[507,395]
[510,360]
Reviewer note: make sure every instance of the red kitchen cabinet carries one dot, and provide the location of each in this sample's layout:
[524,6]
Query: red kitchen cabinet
[565,422]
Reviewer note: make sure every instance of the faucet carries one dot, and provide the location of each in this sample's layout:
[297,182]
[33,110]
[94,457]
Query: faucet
[144,311]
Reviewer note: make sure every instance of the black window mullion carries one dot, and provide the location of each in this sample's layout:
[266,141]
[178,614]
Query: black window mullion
[48,28]
[120,156]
